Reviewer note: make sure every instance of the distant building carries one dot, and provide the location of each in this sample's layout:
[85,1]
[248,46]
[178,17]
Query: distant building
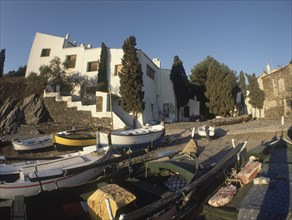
[159,96]
[277,86]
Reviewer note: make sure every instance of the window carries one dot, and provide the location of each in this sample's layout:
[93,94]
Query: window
[281,85]
[150,72]
[45,52]
[71,61]
[118,69]
[92,66]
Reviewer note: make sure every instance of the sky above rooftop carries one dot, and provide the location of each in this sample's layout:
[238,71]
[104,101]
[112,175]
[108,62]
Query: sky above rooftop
[244,35]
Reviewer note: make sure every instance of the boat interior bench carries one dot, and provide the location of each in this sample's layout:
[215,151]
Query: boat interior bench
[148,187]
[54,169]
[182,164]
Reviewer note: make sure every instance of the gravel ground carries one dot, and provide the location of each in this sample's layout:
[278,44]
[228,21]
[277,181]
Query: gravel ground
[178,134]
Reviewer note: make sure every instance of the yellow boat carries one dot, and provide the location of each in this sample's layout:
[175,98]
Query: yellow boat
[67,140]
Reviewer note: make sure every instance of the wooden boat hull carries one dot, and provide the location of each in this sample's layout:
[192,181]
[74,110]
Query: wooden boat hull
[67,140]
[52,176]
[33,144]
[133,139]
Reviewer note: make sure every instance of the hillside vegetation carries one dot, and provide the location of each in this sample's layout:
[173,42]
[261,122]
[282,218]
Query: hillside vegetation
[12,87]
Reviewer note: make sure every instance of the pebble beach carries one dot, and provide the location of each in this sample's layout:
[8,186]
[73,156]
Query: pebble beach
[177,135]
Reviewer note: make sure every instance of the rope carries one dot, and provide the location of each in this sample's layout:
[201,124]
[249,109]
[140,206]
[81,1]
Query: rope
[231,177]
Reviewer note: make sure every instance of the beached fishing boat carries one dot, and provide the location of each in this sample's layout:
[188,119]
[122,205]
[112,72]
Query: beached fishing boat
[13,169]
[206,131]
[52,174]
[74,139]
[152,189]
[32,144]
[133,139]
[258,187]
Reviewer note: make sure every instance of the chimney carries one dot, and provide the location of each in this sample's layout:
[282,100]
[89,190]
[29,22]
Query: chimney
[67,36]
[157,62]
[268,69]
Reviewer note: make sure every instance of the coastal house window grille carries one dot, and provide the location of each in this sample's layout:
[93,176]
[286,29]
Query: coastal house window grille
[92,66]
[150,72]
[71,61]
[45,52]
[118,69]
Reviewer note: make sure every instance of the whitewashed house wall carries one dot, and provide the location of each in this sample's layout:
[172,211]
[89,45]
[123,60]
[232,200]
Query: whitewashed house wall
[158,92]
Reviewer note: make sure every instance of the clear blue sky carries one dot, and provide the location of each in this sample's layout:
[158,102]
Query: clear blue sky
[244,35]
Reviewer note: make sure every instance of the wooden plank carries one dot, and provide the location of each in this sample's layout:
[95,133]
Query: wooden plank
[18,208]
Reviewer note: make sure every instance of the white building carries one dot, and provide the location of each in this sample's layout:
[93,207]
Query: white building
[159,96]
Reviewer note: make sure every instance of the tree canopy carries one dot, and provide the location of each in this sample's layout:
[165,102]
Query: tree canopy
[55,72]
[131,80]
[180,84]
[102,84]
[199,72]
[198,78]
[256,95]
[220,89]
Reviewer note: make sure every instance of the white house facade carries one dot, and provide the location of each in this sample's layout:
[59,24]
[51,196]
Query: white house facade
[159,96]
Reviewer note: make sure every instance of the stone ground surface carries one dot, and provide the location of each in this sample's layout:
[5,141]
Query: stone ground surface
[178,134]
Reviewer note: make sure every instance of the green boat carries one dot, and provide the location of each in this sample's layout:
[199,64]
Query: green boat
[266,195]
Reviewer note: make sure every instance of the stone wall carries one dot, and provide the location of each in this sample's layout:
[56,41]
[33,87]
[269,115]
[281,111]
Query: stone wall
[60,113]
[278,92]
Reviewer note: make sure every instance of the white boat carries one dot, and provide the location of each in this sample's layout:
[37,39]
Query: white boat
[7,169]
[53,174]
[133,139]
[31,144]
[202,131]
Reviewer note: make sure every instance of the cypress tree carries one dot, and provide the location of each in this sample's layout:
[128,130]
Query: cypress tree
[2,60]
[220,89]
[102,84]
[242,84]
[180,84]
[256,95]
[131,80]
[242,87]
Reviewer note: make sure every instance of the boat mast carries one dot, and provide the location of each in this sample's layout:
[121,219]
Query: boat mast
[111,108]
